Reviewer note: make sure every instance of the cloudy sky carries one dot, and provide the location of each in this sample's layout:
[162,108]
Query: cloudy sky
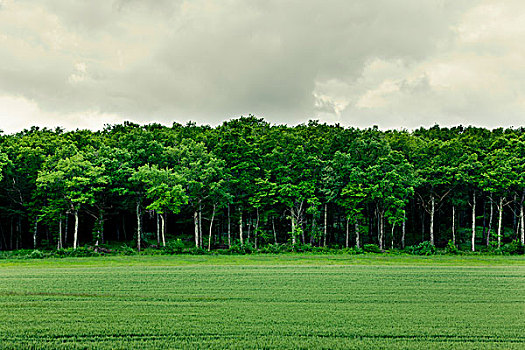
[396,64]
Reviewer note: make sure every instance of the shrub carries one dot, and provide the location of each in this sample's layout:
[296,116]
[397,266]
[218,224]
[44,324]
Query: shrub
[352,250]
[514,247]
[423,248]
[198,251]
[451,248]
[36,254]
[174,247]
[127,250]
[271,249]
[301,248]
[371,248]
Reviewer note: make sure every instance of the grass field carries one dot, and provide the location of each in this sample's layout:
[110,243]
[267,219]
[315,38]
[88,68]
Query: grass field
[285,301]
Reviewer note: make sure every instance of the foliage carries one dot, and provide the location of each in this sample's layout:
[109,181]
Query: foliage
[514,247]
[423,248]
[371,248]
[300,185]
[451,248]
[174,247]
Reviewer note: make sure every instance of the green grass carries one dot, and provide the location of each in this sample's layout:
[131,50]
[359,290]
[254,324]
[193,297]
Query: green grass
[283,301]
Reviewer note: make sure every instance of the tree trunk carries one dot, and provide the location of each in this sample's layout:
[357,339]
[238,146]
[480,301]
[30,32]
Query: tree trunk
[500,220]
[163,229]
[158,228]
[347,232]
[249,226]
[196,227]
[229,228]
[240,227]
[293,226]
[357,240]
[403,230]
[66,228]
[274,232]
[256,230]
[59,243]
[200,224]
[522,220]
[453,225]
[473,238]
[381,232]
[432,211]
[75,232]
[211,225]
[35,230]
[490,222]
[101,226]
[139,226]
[325,233]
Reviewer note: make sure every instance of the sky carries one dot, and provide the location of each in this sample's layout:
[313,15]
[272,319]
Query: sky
[396,64]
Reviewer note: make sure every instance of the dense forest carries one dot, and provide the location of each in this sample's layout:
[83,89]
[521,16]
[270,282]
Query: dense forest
[250,182]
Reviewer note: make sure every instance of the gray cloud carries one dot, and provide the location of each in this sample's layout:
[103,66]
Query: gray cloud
[395,64]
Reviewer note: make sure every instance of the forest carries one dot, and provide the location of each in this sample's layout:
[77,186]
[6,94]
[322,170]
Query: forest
[250,182]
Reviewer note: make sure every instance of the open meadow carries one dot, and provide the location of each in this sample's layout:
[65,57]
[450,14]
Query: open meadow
[282,301]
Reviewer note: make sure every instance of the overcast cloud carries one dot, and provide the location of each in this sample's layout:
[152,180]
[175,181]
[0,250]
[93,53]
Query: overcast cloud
[396,64]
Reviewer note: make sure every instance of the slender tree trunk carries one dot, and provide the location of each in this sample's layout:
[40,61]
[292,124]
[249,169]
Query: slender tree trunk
[381,230]
[514,216]
[403,232]
[473,238]
[485,227]
[522,222]
[211,225]
[490,222]
[139,226]
[274,232]
[200,224]
[325,228]
[66,228]
[304,223]
[256,230]
[249,226]
[75,232]
[357,238]
[500,220]
[158,228]
[35,230]
[347,232]
[229,228]
[101,226]
[163,228]
[240,227]
[293,226]
[454,225]
[59,243]
[196,227]
[432,211]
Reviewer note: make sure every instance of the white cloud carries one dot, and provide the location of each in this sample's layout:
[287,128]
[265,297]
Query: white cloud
[396,64]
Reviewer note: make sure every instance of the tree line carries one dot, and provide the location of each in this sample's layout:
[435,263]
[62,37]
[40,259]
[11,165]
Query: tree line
[251,182]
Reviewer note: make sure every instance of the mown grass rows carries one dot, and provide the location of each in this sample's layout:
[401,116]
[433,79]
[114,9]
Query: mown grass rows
[258,306]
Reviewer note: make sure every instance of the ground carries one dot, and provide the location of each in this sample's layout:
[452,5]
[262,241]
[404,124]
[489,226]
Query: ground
[282,301]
